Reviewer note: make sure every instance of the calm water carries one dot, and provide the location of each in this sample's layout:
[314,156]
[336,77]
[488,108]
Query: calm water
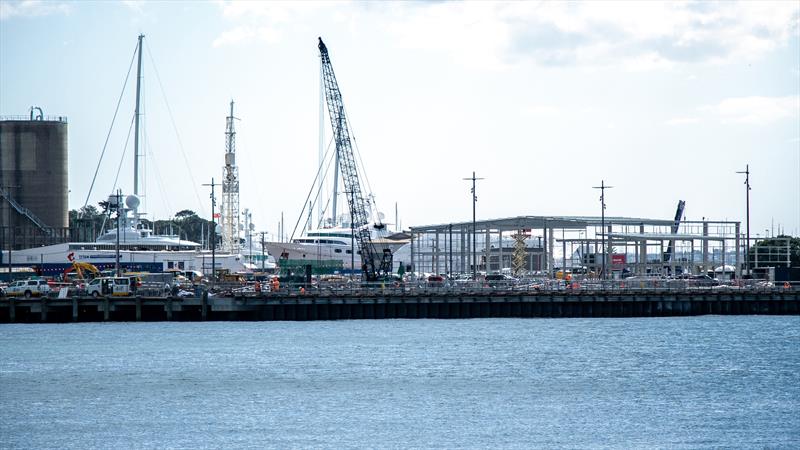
[512,383]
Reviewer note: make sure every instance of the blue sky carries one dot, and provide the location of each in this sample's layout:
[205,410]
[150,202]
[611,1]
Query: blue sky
[664,101]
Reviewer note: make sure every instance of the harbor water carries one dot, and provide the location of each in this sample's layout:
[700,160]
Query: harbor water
[686,382]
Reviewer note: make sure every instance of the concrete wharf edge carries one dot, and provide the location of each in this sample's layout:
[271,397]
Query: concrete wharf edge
[418,305]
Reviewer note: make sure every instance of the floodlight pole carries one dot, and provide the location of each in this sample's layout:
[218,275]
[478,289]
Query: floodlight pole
[747,195]
[474,200]
[603,188]
[118,207]
[213,233]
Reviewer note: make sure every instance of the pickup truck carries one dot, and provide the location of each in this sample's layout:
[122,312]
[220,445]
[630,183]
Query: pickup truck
[28,288]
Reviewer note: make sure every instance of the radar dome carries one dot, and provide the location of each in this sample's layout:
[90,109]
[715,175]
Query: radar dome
[113,201]
[132,201]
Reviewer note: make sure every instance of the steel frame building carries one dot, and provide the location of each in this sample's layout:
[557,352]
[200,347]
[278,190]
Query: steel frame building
[576,242]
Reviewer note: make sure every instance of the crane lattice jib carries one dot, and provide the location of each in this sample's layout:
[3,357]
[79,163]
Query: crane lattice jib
[344,151]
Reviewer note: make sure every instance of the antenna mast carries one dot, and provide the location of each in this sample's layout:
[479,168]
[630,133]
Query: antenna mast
[230,189]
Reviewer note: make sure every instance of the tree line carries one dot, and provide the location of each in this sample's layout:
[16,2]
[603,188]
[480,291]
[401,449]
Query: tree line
[88,222]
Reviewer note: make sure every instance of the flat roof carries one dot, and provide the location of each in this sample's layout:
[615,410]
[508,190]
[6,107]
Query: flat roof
[540,222]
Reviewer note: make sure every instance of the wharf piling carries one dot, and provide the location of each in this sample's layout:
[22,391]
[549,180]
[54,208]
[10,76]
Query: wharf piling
[418,305]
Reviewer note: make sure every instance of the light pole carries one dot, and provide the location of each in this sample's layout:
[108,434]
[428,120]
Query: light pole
[603,188]
[213,233]
[747,195]
[474,200]
[262,252]
[118,208]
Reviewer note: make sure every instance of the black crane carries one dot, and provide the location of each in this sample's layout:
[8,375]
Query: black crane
[373,265]
[674,229]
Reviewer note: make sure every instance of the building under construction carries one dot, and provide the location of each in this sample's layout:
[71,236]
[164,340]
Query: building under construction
[600,246]
[33,180]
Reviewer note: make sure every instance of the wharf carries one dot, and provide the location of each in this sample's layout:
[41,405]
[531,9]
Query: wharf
[396,305]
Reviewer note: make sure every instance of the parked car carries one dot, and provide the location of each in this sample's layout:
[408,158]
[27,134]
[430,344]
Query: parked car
[500,280]
[701,281]
[28,288]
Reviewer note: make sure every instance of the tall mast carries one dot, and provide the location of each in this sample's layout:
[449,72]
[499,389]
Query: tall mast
[136,124]
[321,141]
[230,189]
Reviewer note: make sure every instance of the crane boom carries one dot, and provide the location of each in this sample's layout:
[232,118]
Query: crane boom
[371,266]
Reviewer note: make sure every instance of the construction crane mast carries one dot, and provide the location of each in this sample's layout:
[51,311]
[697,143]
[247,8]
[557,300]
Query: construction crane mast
[373,265]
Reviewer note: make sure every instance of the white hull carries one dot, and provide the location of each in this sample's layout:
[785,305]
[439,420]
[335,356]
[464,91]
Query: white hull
[52,257]
[320,252]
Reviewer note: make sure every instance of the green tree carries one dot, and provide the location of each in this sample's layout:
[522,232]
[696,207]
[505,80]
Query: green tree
[777,246]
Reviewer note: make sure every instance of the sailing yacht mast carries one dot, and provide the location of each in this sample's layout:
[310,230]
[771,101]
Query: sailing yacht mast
[136,126]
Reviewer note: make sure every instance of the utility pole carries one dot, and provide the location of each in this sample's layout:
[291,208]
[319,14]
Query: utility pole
[603,188]
[262,252]
[474,200]
[213,232]
[747,196]
[119,209]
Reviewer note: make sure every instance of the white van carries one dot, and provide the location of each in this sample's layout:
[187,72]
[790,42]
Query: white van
[116,286]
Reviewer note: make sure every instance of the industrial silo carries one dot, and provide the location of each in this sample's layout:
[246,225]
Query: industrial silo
[33,179]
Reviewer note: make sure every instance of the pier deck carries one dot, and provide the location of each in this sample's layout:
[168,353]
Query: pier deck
[392,305]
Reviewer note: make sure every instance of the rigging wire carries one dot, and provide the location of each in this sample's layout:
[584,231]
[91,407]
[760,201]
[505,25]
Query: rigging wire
[324,176]
[159,182]
[313,184]
[119,168]
[177,135]
[113,120]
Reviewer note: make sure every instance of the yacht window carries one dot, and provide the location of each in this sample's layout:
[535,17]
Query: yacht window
[348,252]
[337,250]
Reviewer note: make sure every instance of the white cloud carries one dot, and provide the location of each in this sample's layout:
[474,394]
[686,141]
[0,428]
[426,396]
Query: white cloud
[633,35]
[135,5]
[756,110]
[682,121]
[31,8]
[752,110]
[247,33]
[541,111]
[263,21]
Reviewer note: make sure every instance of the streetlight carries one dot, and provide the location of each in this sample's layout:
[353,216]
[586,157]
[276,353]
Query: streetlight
[474,200]
[603,188]
[262,252]
[214,231]
[747,194]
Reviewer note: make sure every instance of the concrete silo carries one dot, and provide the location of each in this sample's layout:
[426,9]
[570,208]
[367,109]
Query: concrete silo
[33,179]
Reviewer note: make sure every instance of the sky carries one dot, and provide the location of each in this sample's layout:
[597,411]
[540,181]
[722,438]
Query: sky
[543,100]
